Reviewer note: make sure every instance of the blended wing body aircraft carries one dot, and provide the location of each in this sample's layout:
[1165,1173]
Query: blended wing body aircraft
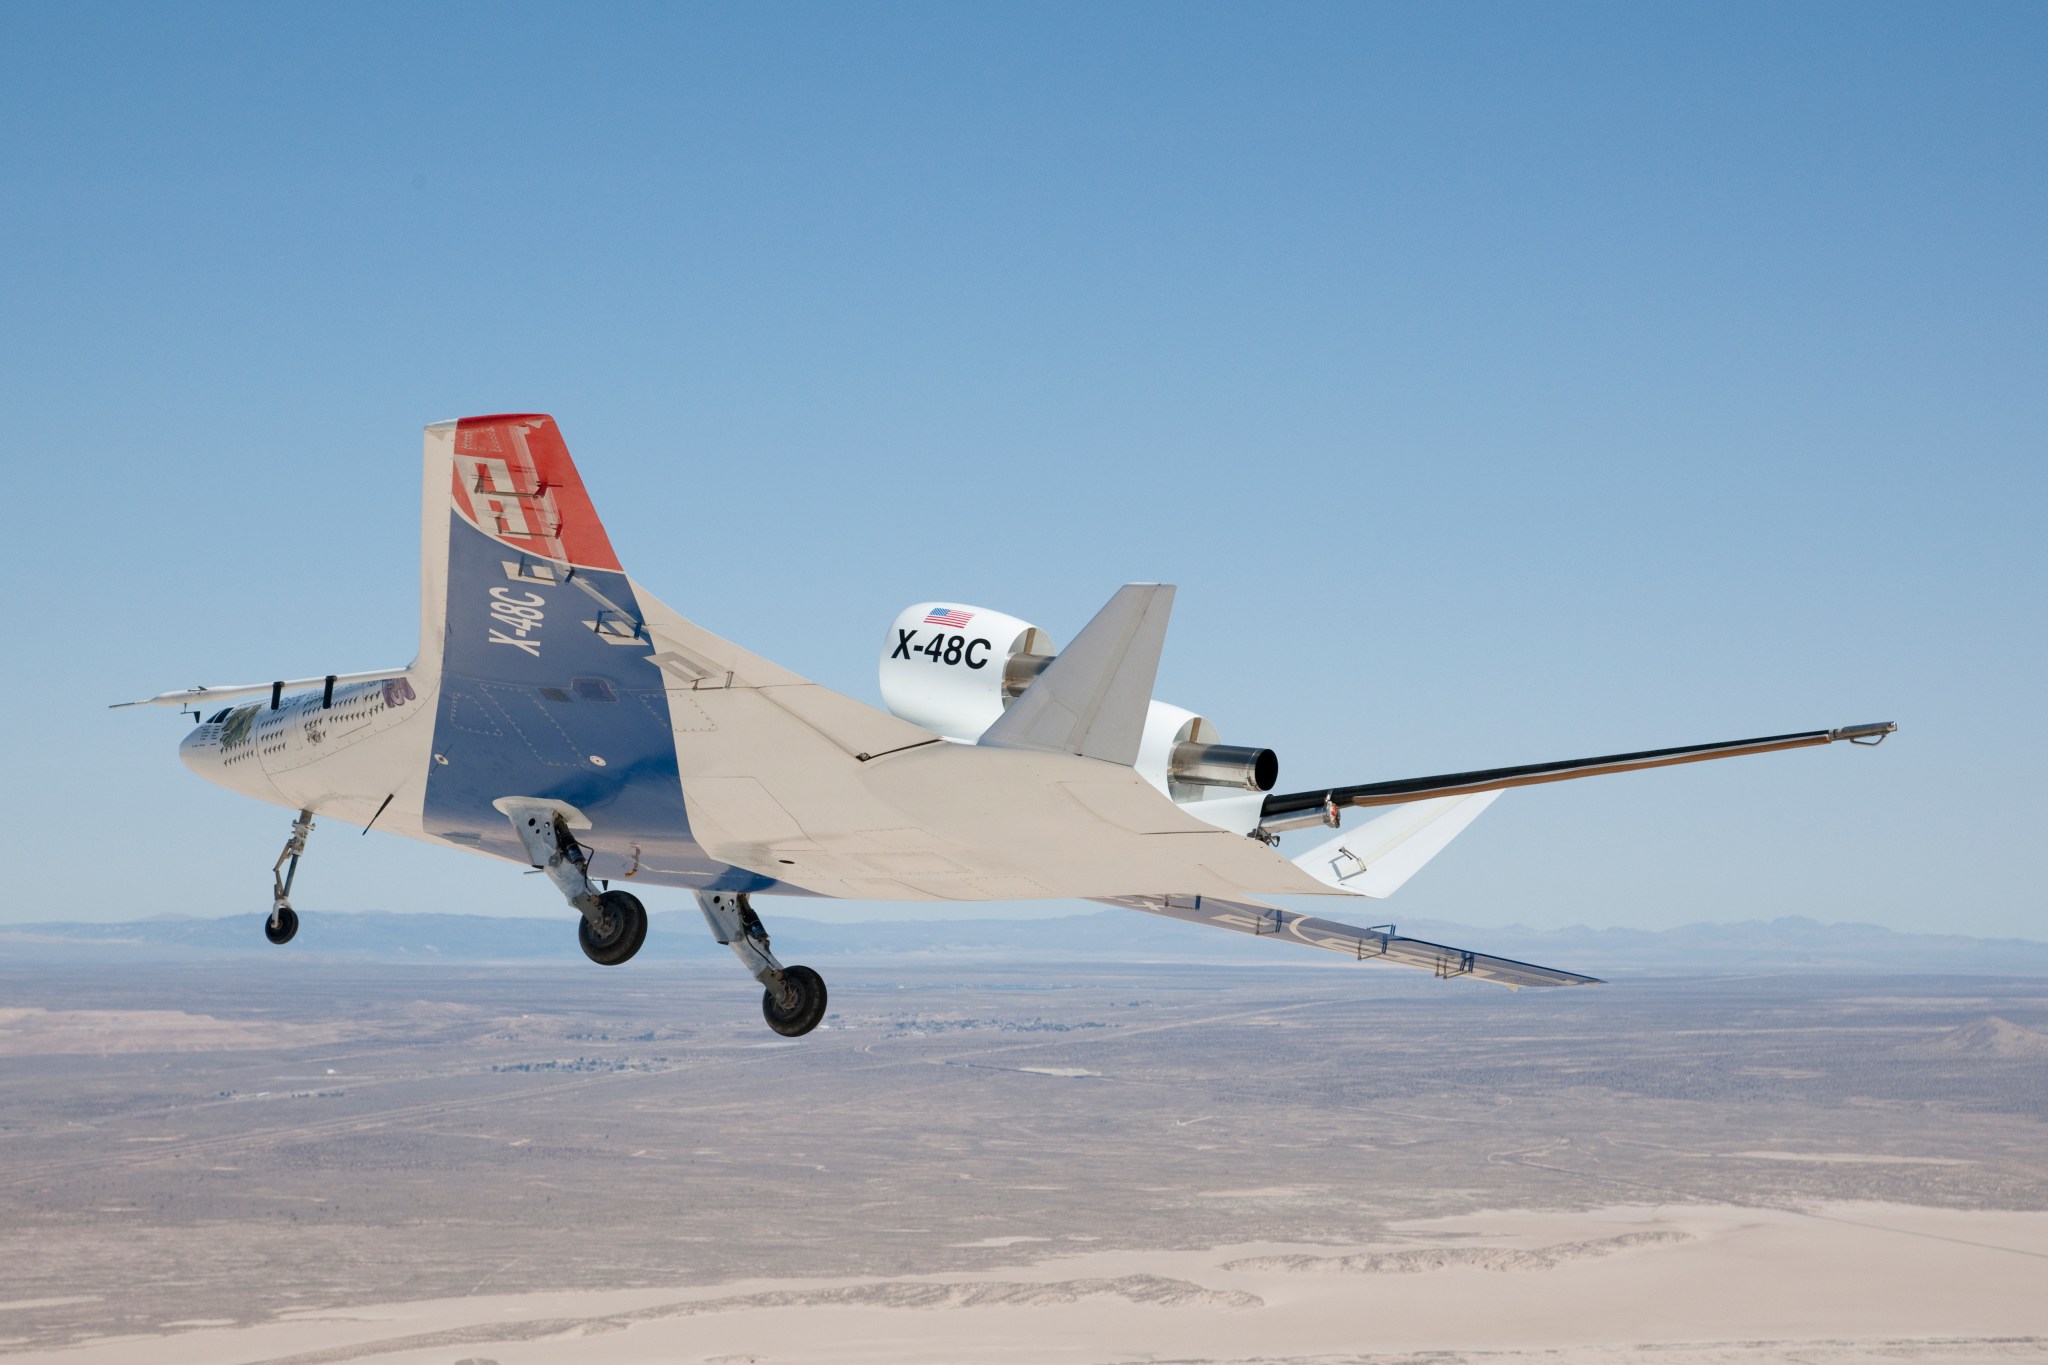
[559,716]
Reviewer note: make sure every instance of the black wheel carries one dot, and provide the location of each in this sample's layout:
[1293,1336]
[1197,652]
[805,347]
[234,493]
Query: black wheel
[282,924]
[623,931]
[804,1011]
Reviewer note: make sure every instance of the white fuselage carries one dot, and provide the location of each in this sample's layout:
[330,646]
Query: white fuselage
[369,748]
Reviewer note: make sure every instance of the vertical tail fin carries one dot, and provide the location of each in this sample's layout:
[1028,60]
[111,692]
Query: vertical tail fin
[1092,698]
[536,647]
[509,476]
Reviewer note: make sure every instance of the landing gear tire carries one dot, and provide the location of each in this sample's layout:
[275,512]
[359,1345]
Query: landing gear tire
[282,924]
[806,1008]
[622,931]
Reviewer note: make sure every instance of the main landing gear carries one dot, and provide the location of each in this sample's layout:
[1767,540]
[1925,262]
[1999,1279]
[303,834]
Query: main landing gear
[284,921]
[617,932]
[614,922]
[793,1000]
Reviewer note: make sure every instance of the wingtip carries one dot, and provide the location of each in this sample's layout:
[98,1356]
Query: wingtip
[1867,735]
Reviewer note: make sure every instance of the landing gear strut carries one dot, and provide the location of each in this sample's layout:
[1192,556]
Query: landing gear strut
[614,922]
[284,921]
[793,999]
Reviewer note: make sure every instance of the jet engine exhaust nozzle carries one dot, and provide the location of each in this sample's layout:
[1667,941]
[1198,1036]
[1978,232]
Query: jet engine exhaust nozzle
[1224,765]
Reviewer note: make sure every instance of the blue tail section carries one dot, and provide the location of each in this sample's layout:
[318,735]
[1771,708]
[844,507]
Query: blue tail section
[546,688]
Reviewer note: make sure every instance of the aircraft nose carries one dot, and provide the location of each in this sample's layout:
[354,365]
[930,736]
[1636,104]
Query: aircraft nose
[200,750]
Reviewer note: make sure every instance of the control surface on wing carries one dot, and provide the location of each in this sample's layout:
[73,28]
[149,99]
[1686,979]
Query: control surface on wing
[1378,944]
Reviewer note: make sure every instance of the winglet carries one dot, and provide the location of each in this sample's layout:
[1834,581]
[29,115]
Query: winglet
[1375,858]
[1091,700]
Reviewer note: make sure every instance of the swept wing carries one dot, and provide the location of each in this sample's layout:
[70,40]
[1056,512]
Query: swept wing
[193,696]
[1286,810]
[1379,944]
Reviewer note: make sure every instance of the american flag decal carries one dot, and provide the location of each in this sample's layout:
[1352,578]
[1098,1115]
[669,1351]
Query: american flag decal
[949,616]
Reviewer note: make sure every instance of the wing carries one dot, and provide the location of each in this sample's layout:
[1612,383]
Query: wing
[1290,810]
[1378,944]
[193,696]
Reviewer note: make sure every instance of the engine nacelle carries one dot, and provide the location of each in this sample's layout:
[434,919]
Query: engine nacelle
[953,668]
[1180,756]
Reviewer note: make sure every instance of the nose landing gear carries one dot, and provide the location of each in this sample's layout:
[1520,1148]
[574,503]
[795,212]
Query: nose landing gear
[284,921]
[282,924]
[793,998]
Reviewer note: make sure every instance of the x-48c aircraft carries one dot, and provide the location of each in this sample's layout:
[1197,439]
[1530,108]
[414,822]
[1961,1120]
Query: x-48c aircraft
[559,716]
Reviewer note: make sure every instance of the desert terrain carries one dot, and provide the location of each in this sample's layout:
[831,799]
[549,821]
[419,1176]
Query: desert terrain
[291,1157]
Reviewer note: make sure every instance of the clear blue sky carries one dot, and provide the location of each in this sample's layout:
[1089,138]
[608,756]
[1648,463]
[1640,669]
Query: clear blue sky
[1499,382]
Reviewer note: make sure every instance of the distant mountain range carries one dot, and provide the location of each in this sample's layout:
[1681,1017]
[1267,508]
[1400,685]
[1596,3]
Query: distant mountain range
[1790,944]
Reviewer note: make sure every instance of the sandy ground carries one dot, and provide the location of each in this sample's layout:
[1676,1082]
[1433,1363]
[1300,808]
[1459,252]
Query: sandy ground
[40,1032]
[1684,1285]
